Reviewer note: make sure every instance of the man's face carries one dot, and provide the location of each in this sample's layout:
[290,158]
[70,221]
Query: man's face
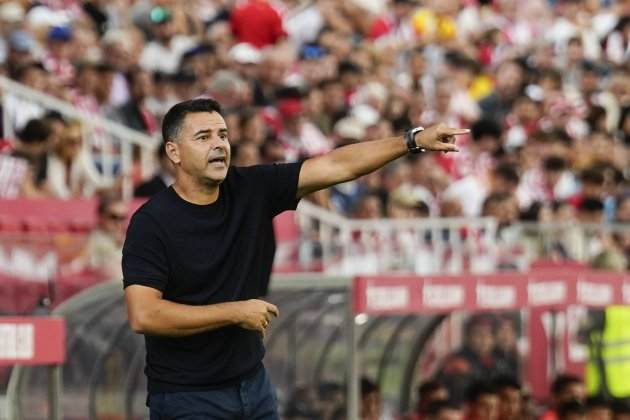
[113,221]
[511,404]
[487,407]
[202,150]
[599,413]
[481,339]
[509,79]
[575,391]
[448,414]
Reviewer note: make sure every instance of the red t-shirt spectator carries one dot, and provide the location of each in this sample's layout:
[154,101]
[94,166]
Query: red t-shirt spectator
[257,23]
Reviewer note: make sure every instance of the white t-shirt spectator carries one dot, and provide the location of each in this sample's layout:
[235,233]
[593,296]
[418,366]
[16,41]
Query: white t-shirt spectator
[80,179]
[157,57]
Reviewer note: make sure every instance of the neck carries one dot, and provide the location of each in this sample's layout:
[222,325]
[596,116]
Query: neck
[195,192]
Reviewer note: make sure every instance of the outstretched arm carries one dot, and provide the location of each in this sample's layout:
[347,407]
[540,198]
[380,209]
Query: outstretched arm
[355,160]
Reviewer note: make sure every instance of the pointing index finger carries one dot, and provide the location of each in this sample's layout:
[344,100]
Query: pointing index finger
[456,131]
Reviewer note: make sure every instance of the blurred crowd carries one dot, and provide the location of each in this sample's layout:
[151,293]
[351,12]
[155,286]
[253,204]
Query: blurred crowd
[544,86]
[479,381]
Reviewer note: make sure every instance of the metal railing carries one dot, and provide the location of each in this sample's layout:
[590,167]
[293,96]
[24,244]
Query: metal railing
[110,144]
[421,246]
[338,245]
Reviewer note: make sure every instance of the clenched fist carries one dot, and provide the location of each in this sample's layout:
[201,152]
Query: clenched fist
[255,315]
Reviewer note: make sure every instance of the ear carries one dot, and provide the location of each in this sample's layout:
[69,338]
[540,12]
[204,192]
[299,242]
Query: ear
[172,151]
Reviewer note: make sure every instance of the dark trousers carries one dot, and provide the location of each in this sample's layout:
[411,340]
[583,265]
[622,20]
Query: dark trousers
[252,399]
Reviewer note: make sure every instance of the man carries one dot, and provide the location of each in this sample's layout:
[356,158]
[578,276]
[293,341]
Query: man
[370,400]
[475,361]
[444,410]
[483,402]
[198,255]
[565,388]
[571,410]
[103,251]
[511,395]
[162,178]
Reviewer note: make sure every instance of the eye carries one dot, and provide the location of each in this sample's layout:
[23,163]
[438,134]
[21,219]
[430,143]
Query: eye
[223,136]
[204,137]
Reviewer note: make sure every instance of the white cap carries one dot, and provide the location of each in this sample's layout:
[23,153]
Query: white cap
[44,16]
[373,7]
[349,128]
[365,114]
[245,53]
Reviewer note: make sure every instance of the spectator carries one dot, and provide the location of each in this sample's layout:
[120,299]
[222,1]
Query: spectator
[506,338]
[134,113]
[161,180]
[429,394]
[509,84]
[71,171]
[164,51]
[370,400]
[28,164]
[571,410]
[621,410]
[58,61]
[257,23]
[566,389]
[598,408]
[510,392]
[444,410]
[104,248]
[483,402]
[475,361]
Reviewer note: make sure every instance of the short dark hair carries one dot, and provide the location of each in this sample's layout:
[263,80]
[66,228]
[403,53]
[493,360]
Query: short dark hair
[508,172]
[591,205]
[592,175]
[477,389]
[569,408]
[554,164]
[507,382]
[368,386]
[429,387]
[562,382]
[175,116]
[35,131]
[436,406]
[486,127]
[596,401]
[621,406]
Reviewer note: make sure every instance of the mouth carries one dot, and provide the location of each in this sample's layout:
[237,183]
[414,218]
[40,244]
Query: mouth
[222,160]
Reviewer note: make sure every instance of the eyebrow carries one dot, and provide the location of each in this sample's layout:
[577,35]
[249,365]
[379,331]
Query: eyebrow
[209,131]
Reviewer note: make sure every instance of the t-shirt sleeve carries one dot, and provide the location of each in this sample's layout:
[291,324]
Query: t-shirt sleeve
[144,259]
[280,182]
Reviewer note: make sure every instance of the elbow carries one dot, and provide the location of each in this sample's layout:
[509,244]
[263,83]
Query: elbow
[138,322]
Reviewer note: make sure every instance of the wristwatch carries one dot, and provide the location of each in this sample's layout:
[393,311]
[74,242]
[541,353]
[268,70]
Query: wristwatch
[410,140]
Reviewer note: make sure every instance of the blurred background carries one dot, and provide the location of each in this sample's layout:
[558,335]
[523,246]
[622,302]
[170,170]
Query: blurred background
[540,189]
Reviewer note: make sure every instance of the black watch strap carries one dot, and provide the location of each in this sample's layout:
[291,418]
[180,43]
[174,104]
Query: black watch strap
[410,140]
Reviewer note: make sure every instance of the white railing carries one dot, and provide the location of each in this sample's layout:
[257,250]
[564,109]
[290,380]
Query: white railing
[110,144]
[422,246]
[342,246]
[572,241]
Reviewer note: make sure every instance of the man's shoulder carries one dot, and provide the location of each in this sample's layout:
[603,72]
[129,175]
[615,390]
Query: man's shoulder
[156,205]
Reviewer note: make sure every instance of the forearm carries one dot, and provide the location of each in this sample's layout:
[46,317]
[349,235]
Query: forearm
[348,163]
[359,159]
[167,318]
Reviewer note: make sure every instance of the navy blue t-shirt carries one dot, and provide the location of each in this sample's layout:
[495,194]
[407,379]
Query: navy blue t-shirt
[207,254]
